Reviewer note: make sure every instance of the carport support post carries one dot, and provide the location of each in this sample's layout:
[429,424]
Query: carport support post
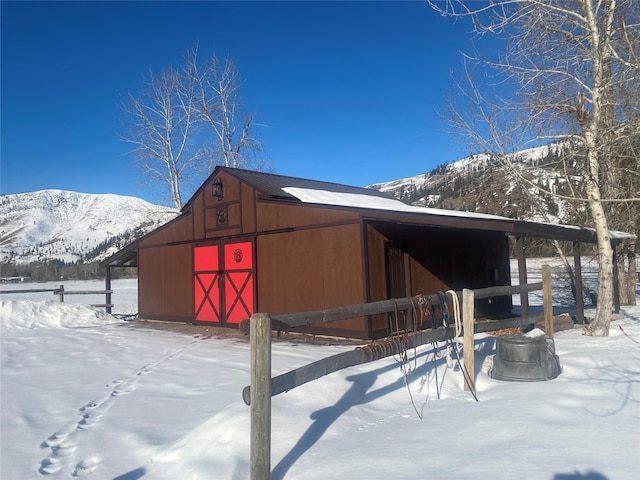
[547,300]
[577,268]
[522,275]
[468,350]
[107,288]
[616,281]
[260,335]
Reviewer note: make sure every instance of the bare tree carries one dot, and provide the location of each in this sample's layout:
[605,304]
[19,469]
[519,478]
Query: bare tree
[186,121]
[569,74]
[162,126]
[218,102]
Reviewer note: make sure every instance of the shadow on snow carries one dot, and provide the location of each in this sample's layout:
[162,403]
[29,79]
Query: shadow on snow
[359,394]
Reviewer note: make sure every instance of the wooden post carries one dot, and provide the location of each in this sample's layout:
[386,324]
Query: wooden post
[522,276]
[547,300]
[468,344]
[577,268]
[616,281]
[61,293]
[107,287]
[632,273]
[260,331]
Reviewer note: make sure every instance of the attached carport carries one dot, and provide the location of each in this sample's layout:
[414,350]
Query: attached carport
[566,233]
[520,230]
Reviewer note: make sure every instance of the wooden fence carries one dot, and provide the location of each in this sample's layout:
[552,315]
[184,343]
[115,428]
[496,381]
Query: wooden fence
[61,292]
[263,387]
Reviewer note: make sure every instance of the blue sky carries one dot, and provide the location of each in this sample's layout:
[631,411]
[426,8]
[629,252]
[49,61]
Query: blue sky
[347,91]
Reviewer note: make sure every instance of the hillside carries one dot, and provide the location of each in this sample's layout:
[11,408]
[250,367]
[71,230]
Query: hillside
[482,184]
[71,226]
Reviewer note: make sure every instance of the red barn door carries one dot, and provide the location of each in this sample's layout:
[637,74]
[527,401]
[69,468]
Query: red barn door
[238,281]
[206,288]
[223,284]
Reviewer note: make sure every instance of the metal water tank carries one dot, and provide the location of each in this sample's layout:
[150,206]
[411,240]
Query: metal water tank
[525,358]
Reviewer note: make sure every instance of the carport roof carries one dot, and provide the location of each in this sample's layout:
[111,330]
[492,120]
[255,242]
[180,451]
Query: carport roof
[390,209]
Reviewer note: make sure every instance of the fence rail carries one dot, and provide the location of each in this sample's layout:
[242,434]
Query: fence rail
[31,290]
[262,387]
[61,292]
[288,321]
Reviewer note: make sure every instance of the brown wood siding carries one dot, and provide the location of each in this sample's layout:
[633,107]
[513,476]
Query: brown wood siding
[167,290]
[248,209]
[179,230]
[197,209]
[223,220]
[222,216]
[276,215]
[377,282]
[311,269]
[230,190]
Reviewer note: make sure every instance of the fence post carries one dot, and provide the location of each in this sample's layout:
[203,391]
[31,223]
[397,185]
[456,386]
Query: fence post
[260,337]
[61,293]
[577,276]
[547,300]
[107,296]
[468,343]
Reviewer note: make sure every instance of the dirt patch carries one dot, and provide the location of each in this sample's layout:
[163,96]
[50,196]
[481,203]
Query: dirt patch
[191,329]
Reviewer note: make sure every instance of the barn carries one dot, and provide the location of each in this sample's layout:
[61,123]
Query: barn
[251,241]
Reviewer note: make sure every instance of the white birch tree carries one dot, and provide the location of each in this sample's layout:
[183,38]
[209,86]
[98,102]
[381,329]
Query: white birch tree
[217,99]
[162,122]
[186,121]
[569,73]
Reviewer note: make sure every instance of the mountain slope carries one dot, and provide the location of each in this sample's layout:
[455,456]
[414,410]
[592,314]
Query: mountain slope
[483,184]
[71,226]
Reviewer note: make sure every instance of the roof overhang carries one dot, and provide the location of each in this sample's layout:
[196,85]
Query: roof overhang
[127,257]
[392,210]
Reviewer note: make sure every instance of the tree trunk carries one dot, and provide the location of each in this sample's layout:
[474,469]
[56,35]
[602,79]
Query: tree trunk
[599,327]
[595,128]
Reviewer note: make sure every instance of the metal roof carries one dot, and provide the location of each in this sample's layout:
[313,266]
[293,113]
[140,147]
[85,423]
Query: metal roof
[273,185]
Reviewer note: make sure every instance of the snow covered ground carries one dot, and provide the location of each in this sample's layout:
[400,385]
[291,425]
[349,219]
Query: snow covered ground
[88,395]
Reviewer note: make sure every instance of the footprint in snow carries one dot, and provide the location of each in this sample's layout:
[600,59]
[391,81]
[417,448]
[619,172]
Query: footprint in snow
[86,466]
[60,448]
[49,466]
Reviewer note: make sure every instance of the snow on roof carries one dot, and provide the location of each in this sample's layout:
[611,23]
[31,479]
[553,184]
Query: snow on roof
[357,200]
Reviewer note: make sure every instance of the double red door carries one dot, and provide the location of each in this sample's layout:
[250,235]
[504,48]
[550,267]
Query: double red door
[223,282]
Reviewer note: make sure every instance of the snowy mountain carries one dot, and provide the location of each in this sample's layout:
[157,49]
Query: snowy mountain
[71,226]
[481,183]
